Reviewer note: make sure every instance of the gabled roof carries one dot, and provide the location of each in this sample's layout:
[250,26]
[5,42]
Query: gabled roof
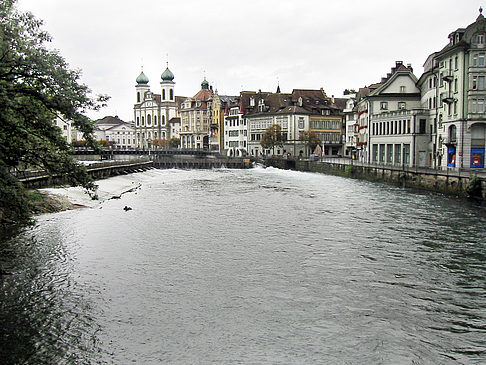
[109,120]
[121,125]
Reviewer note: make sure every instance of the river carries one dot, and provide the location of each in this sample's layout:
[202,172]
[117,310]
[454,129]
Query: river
[258,266]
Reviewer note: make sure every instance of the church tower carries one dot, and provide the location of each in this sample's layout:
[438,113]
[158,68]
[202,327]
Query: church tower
[142,87]
[167,85]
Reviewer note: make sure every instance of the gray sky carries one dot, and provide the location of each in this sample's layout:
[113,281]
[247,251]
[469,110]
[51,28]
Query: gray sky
[244,45]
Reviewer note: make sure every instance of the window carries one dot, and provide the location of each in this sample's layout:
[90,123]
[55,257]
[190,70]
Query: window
[398,153]
[422,126]
[384,105]
[480,39]
[481,60]
[456,59]
[301,123]
[452,134]
[171,94]
[163,94]
[401,105]
[402,89]
[138,97]
[389,153]
[406,154]
[455,85]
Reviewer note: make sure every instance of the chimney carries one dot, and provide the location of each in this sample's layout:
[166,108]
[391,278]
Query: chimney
[409,65]
[398,63]
[383,80]
[332,99]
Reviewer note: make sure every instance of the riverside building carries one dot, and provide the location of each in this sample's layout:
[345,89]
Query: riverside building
[153,113]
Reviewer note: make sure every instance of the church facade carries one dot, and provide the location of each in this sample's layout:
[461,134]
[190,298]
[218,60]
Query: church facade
[155,114]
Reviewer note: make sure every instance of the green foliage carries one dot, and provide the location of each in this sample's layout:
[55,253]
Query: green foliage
[474,188]
[104,143]
[272,137]
[310,139]
[174,142]
[80,143]
[36,86]
[349,91]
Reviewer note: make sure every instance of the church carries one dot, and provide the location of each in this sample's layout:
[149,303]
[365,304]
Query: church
[156,116]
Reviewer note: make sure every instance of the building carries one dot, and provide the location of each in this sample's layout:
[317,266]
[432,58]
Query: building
[428,90]
[235,127]
[350,112]
[195,119]
[120,134]
[67,130]
[218,106]
[398,126]
[460,69]
[298,112]
[153,112]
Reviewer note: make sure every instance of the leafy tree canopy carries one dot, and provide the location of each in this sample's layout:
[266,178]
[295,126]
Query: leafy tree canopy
[36,86]
[310,139]
[272,137]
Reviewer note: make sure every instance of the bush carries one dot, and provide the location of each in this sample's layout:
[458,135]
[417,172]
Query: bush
[474,188]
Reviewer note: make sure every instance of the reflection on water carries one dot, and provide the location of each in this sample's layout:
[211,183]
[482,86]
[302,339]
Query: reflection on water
[254,266]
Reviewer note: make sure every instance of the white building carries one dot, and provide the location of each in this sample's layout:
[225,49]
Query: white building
[119,133]
[398,126]
[350,129]
[235,131]
[152,112]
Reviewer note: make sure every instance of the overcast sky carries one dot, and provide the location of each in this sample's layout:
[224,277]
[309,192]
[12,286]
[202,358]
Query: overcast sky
[244,45]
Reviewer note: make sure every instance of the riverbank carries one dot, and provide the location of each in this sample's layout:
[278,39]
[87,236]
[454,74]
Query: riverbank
[459,183]
[66,198]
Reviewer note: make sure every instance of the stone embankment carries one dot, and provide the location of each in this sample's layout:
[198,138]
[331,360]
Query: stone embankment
[461,183]
[97,170]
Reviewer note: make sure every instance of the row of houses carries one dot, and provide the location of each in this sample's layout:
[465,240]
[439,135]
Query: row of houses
[436,120]
[234,125]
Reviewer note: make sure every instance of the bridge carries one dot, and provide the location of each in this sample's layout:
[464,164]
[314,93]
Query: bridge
[168,158]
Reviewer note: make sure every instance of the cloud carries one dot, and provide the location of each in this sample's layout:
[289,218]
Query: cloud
[244,45]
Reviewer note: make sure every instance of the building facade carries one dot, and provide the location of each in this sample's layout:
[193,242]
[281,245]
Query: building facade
[195,119]
[460,69]
[152,112]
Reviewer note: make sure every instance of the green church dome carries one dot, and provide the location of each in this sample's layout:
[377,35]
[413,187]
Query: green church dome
[167,75]
[205,85]
[142,79]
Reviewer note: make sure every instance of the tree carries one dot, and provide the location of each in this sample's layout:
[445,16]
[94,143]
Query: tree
[36,86]
[174,142]
[160,143]
[349,91]
[310,139]
[272,137]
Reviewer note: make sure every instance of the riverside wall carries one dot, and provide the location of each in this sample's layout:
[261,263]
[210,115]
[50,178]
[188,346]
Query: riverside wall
[97,170]
[448,182]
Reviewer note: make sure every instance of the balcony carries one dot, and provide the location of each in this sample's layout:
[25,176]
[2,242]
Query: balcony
[448,75]
[447,98]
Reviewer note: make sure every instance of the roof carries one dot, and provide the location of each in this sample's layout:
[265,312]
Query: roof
[300,101]
[203,95]
[109,120]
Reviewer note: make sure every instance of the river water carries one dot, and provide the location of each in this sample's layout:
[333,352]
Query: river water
[257,266]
